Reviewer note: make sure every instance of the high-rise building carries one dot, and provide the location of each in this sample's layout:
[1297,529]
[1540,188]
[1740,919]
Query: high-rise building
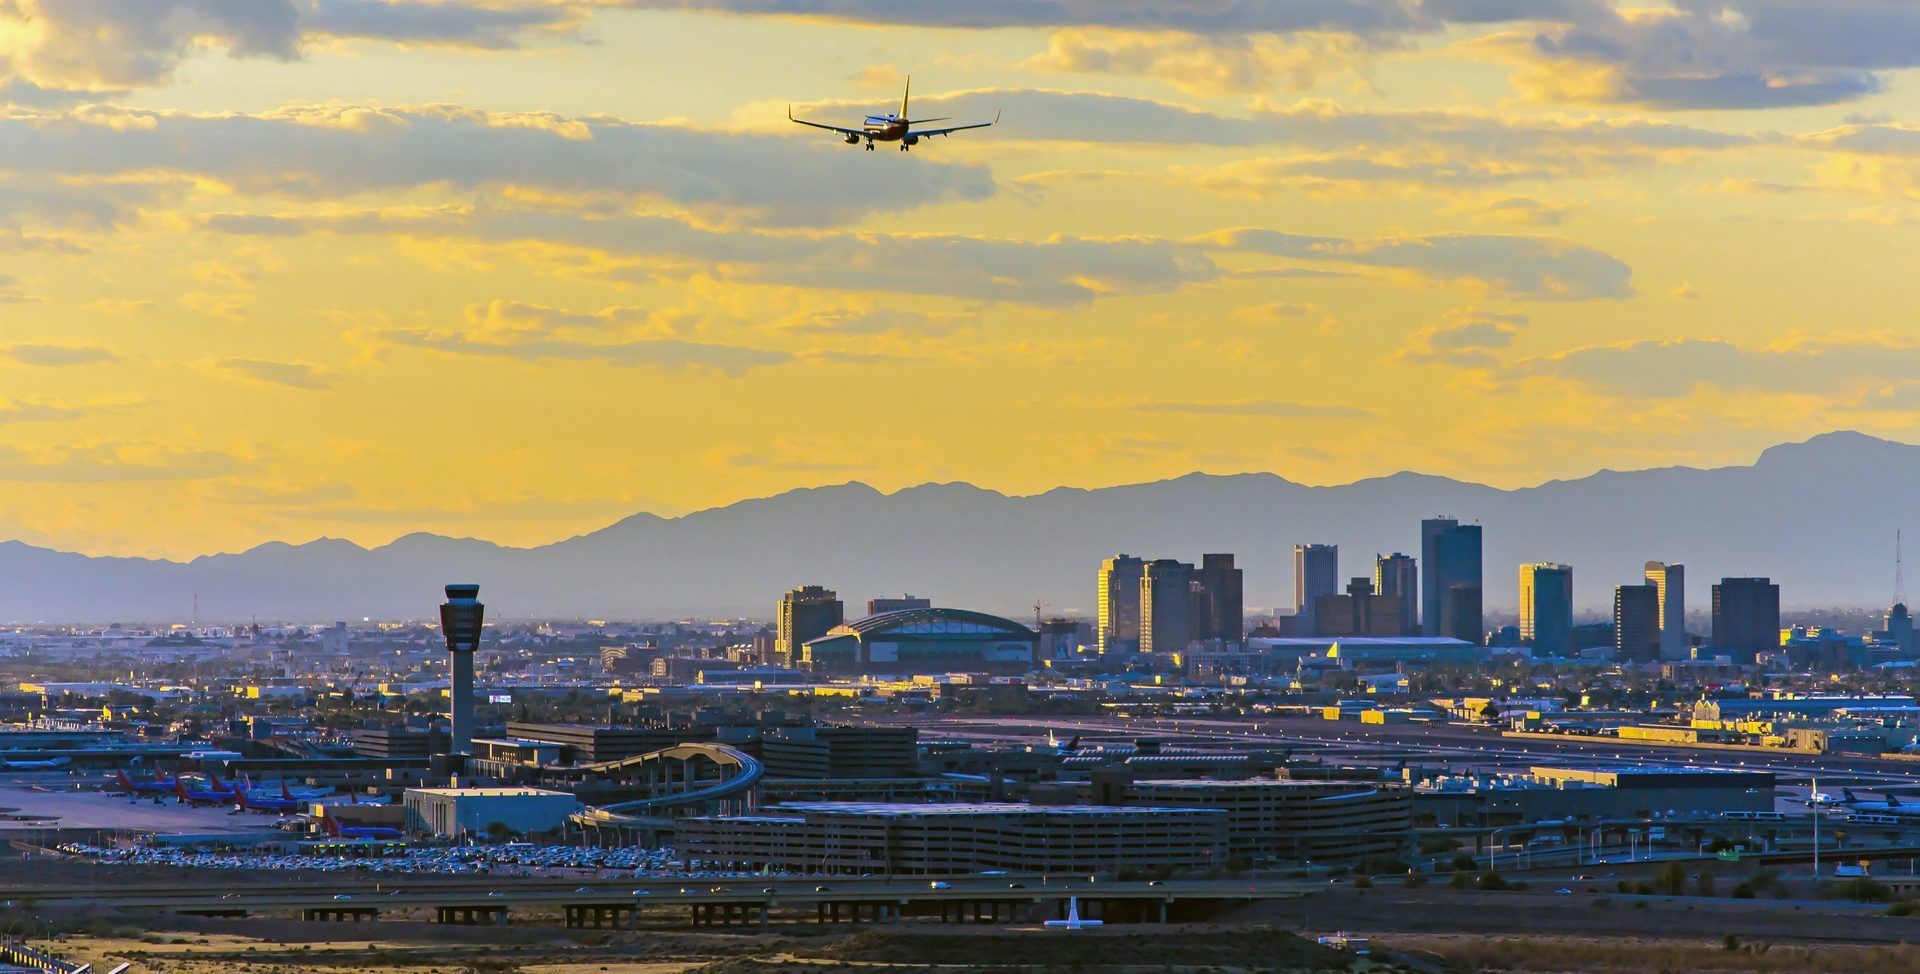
[1746,617]
[877,606]
[1361,611]
[1316,572]
[1167,605]
[1900,631]
[1670,581]
[1450,586]
[1119,601]
[1226,617]
[804,613]
[1546,609]
[1397,577]
[1636,623]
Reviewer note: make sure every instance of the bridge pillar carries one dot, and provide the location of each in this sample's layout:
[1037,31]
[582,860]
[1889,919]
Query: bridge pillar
[1163,911]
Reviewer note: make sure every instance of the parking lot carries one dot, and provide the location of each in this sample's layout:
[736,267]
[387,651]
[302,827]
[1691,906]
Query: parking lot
[514,859]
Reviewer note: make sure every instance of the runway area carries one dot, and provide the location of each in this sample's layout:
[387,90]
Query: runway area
[47,800]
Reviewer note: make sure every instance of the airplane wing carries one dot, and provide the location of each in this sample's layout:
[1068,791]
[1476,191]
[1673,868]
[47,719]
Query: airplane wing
[954,128]
[822,125]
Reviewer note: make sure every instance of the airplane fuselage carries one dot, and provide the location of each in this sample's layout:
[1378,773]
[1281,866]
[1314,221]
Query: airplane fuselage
[885,128]
[51,765]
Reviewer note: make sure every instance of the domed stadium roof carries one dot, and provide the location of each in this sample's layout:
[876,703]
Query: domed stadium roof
[933,622]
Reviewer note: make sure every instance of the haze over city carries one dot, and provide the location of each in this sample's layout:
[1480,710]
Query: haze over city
[847,486]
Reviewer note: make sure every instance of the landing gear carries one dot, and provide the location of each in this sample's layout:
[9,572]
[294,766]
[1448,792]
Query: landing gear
[869,145]
[905,147]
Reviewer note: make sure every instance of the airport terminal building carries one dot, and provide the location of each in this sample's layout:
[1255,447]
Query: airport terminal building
[1288,820]
[456,812]
[875,838]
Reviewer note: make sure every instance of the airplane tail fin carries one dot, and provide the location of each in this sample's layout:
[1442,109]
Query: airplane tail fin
[217,786]
[125,782]
[333,827]
[1849,793]
[906,97]
[1893,800]
[284,793]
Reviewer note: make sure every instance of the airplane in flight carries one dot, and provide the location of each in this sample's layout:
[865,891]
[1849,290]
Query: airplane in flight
[338,831]
[50,764]
[891,127]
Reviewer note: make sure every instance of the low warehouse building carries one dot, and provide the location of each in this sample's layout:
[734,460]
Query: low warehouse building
[881,838]
[454,812]
[1551,792]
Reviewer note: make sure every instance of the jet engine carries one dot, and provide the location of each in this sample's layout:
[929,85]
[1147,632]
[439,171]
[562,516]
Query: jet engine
[853,139]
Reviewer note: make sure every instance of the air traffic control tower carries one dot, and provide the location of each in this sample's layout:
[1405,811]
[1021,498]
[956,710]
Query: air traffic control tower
[460,621]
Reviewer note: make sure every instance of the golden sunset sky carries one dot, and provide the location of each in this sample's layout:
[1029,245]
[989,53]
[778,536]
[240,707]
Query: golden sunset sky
[277,269]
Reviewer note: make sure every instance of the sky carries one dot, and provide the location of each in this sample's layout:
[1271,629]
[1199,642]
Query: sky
[514,269]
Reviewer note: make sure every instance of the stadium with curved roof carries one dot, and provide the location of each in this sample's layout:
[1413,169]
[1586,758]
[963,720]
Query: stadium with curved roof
[924,641]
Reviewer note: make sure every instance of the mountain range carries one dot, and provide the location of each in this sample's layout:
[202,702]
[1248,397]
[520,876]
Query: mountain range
[1818,517]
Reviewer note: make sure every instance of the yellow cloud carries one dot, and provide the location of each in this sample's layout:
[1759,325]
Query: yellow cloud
[1200,65]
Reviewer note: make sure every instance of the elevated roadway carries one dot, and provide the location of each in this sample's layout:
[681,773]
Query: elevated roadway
[708,901]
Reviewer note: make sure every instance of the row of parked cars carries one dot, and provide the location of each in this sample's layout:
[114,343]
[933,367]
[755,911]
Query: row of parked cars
[442,860]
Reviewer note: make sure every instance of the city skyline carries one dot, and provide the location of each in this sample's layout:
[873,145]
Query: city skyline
[953,541]
[523,485]
[257,251]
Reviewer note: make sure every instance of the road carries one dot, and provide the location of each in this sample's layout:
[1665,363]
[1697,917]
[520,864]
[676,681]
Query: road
[493,894]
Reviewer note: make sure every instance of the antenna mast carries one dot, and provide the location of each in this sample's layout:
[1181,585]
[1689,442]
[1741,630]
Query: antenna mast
[1899,572]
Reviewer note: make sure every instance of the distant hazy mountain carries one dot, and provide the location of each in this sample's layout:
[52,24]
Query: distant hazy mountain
[1819,517]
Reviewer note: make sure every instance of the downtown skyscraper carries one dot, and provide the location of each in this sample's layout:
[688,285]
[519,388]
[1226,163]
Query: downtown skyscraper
[1450,580]
[1670,585]
[1546,609]
[1316,572]
[1119,604]
[1397,577]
